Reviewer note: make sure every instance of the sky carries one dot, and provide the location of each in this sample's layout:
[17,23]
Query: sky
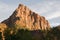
[50,9]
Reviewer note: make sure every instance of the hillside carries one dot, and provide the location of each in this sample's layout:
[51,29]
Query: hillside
[24,24]
[21,34]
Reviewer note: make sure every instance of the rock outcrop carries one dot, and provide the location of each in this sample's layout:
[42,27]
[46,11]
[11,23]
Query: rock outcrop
[2,28]
[25,18]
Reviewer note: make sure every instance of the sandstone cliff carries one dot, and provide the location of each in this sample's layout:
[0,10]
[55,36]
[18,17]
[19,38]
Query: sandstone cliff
[25,18]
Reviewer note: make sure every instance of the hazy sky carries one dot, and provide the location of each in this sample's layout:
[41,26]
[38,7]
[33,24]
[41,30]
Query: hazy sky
[48,8]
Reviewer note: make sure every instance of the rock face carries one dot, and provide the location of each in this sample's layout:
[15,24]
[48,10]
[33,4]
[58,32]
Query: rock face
[25,18]
[2,28]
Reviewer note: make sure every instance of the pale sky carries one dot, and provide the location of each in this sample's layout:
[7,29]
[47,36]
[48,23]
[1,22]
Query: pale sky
[50,9]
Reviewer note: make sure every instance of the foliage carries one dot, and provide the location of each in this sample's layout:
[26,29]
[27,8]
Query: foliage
[24,34]
[0,36]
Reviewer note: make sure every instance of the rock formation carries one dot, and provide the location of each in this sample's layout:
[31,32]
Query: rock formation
[2,28]
[25,18]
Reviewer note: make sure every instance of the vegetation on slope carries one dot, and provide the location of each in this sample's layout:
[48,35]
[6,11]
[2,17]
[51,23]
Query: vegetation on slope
[24,34]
